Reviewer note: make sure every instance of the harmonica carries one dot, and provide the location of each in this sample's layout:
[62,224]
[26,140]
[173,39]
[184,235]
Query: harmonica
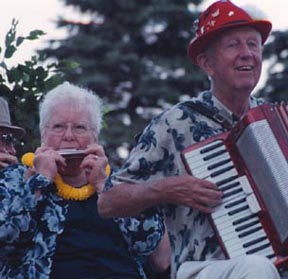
[72,153]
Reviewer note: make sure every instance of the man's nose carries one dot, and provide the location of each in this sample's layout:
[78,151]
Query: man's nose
[246,51]
[8,148]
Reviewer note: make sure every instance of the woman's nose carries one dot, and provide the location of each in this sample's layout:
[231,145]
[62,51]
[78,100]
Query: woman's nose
[69,132]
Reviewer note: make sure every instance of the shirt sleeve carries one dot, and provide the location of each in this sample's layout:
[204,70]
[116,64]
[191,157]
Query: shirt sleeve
[152,158]
[18,202]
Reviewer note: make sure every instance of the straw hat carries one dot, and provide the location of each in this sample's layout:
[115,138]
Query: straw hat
[5,120]
[220,16]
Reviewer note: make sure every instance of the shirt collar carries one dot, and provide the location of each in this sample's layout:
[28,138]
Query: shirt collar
[223,111]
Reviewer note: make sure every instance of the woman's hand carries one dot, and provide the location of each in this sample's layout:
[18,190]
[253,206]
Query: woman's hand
[94,164]
[47,161]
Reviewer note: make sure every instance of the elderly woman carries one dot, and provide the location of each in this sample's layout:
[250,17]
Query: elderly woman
[49,224]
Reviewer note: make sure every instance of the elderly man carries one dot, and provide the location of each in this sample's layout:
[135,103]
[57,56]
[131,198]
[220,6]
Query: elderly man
[8,133]
[228,48]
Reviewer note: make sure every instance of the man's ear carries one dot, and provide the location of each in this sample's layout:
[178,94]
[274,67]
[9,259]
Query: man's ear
[204,62]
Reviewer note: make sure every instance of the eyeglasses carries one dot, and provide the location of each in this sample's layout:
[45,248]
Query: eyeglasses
[77,129]
[7,139]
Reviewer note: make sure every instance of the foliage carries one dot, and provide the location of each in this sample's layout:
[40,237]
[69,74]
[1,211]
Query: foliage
[276,52]
[133,54]
[23,85]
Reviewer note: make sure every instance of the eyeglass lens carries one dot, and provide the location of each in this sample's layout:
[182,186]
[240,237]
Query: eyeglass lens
[7,139]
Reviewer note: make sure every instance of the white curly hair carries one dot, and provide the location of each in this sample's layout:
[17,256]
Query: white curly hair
[67,94]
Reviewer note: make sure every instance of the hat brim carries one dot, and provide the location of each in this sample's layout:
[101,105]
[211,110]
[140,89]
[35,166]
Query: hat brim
[16,131]
[198,45]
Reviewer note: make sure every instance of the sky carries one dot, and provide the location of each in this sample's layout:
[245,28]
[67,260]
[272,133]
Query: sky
[39,14]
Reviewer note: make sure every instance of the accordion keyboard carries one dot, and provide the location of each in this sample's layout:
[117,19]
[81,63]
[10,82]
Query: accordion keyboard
[236,220]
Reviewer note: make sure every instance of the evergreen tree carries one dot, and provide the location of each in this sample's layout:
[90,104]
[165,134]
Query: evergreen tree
[134,55]
[276,53]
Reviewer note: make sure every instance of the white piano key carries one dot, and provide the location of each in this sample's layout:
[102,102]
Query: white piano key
[230,240]
[223,176]
[226,230]
[243,188]
[267,252]
[253,203]
[227,227]
[204,172]
[245,184]
[229,199]
[200,160]
[226,222]
[195,152]
[234,245]
[235,248]
[258,244]
[258,248]
[231,194]
[227,218]
[236,253]
[222,210]
[247,223]
[194,165]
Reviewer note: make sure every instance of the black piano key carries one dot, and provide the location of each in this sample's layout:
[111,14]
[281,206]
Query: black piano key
[234,203]
[232,193]
[213,155]
[238,210]
[246,233]
[229,186]
[226,180]
[243,219]
[216,173]
[246,226]
[261,247]
[271,256]
[218,164]
[211,147]
[254,241]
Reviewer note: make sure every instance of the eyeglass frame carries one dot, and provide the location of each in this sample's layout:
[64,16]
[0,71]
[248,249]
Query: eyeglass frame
[7,139]
[66,126]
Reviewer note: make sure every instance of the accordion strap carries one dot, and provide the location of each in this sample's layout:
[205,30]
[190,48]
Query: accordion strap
[215,116]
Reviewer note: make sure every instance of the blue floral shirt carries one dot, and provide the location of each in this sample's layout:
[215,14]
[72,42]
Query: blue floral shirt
[31,218]
[157,155]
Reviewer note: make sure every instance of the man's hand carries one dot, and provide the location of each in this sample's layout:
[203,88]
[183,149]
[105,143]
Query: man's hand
[7,159]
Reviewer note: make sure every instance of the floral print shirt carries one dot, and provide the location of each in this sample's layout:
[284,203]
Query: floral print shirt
[157,155]
[31,218]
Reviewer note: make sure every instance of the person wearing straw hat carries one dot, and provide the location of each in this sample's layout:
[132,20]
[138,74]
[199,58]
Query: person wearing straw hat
[8,134]
[154,182]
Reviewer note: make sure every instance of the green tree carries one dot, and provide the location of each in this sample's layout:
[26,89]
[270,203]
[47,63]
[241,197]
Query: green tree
[276,53]
[133,54]
[23,85]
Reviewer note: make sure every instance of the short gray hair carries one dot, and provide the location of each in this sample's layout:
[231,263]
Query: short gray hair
[67,93]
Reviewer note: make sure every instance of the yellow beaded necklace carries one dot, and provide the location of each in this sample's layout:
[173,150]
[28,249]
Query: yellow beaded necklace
[64,190]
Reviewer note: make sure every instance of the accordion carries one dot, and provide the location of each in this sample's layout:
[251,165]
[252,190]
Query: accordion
[249,165]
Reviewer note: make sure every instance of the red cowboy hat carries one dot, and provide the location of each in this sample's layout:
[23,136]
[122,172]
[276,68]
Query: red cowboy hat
[219,16]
